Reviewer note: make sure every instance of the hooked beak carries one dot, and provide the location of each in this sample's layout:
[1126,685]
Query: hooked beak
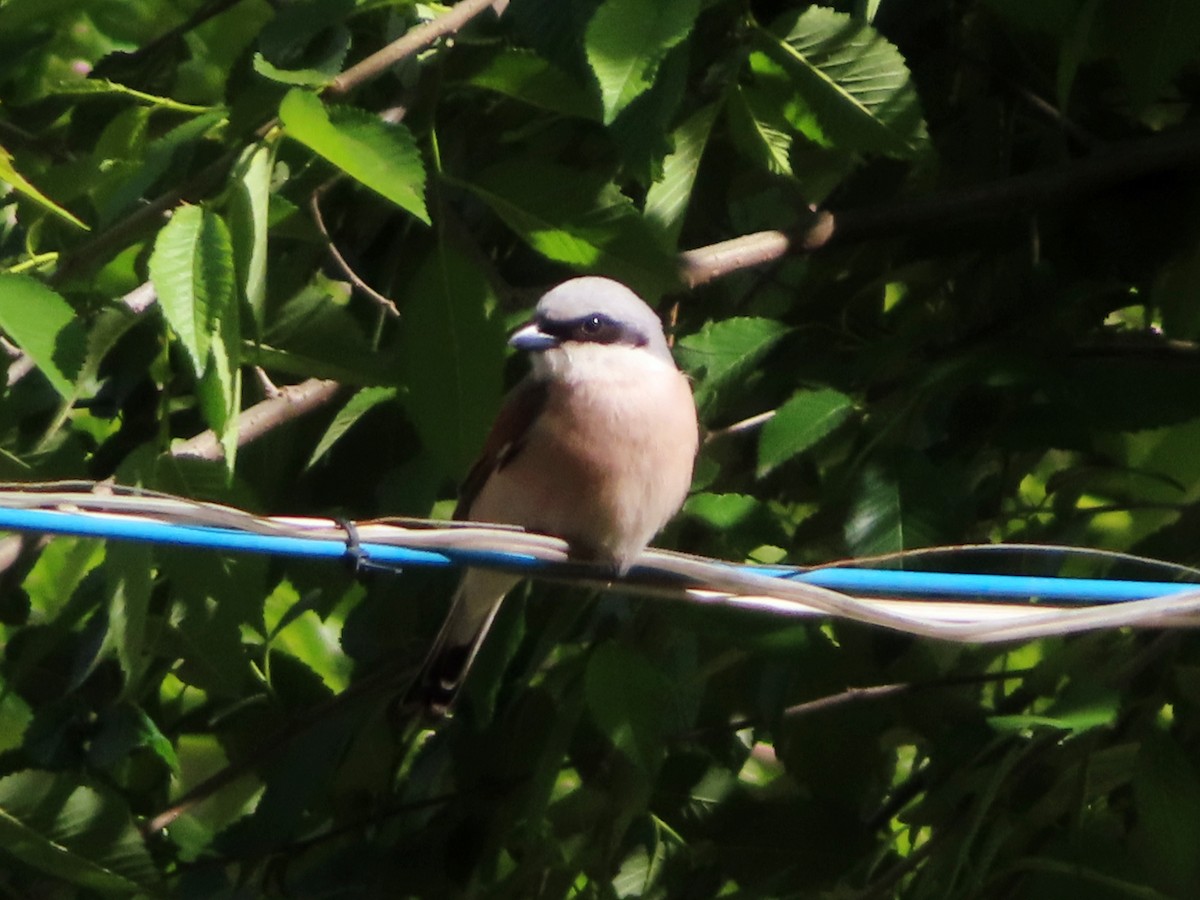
[530,337]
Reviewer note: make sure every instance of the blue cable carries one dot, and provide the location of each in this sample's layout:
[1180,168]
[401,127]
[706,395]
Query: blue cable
[880,582]
[149,531]
[996,587]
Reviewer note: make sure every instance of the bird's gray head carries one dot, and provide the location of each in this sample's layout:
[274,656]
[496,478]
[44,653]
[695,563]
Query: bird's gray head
[597,311]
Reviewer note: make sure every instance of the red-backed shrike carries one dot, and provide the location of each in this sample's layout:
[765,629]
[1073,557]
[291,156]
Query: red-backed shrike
[595,445]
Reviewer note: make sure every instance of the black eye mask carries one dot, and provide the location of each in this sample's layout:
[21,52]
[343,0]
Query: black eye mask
[595,328]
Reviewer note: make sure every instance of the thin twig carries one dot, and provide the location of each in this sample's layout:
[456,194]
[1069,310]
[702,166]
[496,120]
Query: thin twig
[872,692]
[314,205]
[269,388]
[745,425]
[420,37]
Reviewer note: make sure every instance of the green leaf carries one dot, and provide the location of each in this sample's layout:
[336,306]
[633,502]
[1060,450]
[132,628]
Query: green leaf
[1076,45]
[102,87]
[9,174]
[1081,708]
[43,325]
[15,717]
[296,629]
[453,352]
[220,388]
[74,832]
[722,511]
[60,569]
[192,271]
[856,82]
[771,96]
[212,600]
[724,351]
[295,77]
[1176,286]
[667,199]
[381,156]
[908,503]
[626,696]
[579,219]
[129,570]
[249,218]
[1153,43]
[122,729]
[356,407]
[352,371]
[527,77]
[626,42]
[1166,792]
[765,139]
[130,165]
[806,418]
[315,334]
[642,132]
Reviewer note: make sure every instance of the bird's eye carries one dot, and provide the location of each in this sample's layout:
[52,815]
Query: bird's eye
[592,325]
[596,328]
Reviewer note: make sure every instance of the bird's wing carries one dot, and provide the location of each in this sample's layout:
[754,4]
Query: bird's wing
[521,409]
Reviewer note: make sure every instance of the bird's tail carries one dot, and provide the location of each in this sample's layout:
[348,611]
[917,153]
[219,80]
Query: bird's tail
[454,649]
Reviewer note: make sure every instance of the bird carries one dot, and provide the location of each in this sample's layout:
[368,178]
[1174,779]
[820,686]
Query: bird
[595,445]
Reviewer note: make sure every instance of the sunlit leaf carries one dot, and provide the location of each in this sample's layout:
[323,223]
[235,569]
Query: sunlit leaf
[722,511]
[857,83]
[381,156]
[627,40]
[1077,711]
[248,223]
[123,730]
[667,199]
[192,268]
[106,87]
[722,351]
[806,418]
[296,77]
[192,271]
[295,628]
[579,219]
[765,138]
[355,408]
[10,175]
[43,325]
[220,387]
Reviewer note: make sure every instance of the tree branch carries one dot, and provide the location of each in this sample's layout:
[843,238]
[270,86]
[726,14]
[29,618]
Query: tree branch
[416,39]
[290,402]
[1020,193]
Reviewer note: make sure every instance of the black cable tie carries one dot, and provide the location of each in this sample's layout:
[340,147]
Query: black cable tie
[356,557]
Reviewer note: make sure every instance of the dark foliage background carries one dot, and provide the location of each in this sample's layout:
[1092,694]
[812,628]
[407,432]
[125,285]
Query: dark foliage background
[993,338]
